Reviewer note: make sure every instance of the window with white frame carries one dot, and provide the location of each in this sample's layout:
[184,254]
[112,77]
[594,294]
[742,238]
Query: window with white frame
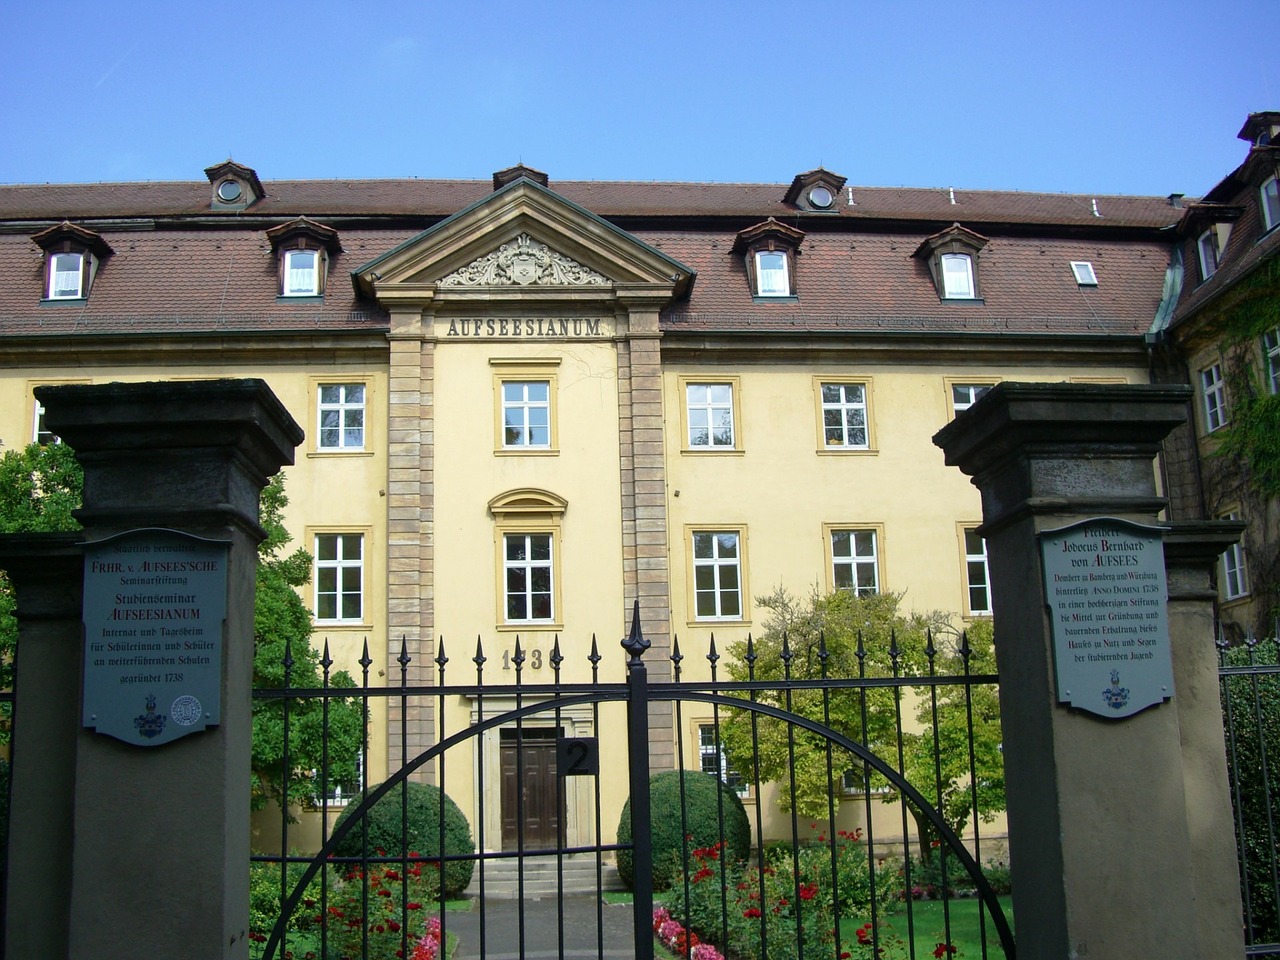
[1271,359]
[39,432]
[844,416]
[712,759]
[1235,580]
[339,577]
[1214,392]
[528,587]
[772,279]
[526,414]
[341,410]
[1207,247]
[710,413]
[977,576]
[1269,201]
[957,276]
[855,565]
[66,276]
[301,273]
[340,792]
[717,575]
[1082,270]
[965,395]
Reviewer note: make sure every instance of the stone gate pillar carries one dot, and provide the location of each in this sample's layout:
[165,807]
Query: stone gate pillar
[1116,825]
[156,857]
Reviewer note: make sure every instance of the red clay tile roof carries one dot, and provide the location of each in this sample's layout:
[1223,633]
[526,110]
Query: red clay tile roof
[855,270]
[440,198]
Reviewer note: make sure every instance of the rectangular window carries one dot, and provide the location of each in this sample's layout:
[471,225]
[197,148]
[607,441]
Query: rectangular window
[712,759]
[717,576]
[854,563]
[527,568]
[341,409]
[1207,246]
[957,276]
[771,274]
[39,432]
[1270,203]
[844,416]
[965,395]
[526,414]
[1215,398]
[1235,581]
[977,576]
[710,412]
[340,577]
[340,794]
[66,276]
[301,273]
[1271,359]
[1083,272]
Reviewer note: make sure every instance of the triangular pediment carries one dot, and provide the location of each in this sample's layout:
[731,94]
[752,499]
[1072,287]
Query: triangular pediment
[521,240]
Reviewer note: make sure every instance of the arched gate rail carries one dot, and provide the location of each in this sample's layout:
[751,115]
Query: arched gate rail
[307,882]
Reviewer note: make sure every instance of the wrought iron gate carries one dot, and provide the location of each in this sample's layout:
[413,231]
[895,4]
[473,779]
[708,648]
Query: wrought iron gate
[807,892]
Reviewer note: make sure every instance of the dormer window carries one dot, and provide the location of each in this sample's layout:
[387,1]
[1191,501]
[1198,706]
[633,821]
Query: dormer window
[301,273]
[235,186]
[770,250]
[771,274]
[1207,247]
[957,276]
[66,276]
[815,190]
[1269,202]
[72,257]
[952,256]
[303,248]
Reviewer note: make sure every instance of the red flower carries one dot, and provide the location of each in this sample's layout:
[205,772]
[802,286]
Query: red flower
[257,937]
[413,905]
[394,925]
[864,934]
[702,874]
[751,912]
[808,891]
[384,892]
[942,949]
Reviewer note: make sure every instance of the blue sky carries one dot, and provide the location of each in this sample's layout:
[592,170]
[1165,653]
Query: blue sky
[1088,97]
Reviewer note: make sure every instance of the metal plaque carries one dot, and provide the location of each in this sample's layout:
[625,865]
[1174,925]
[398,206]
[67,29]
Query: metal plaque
[578,757]
[154,605]
[1104,581]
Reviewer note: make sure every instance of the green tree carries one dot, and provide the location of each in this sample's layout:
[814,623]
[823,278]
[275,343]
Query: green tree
[1251,700]
[282,622]
[41,486]
[874,627]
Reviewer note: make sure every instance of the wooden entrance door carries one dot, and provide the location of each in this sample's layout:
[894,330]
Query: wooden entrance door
[538,801]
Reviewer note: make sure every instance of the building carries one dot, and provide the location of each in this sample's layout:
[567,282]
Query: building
[1222,336]
[529,402]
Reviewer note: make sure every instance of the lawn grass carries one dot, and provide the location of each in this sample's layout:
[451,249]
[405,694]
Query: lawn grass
[928,922]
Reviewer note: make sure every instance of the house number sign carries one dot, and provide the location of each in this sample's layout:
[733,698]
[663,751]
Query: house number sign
[154,604]
[1104,581]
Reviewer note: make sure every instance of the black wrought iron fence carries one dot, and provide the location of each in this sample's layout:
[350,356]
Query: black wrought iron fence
[808,812]
[1249,678]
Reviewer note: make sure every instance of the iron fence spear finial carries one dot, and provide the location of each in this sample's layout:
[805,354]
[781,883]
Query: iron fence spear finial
[635,644]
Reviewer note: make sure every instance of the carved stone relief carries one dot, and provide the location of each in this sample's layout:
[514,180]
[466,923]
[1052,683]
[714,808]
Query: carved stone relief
[523,261]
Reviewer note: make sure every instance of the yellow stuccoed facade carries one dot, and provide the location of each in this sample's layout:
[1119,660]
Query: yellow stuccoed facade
[618,490]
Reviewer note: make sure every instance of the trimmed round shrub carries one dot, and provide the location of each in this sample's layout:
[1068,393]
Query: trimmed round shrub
[421,833]
[704,796]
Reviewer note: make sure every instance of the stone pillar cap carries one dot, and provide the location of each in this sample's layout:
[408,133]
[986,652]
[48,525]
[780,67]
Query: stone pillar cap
[243,414]
[1014,415]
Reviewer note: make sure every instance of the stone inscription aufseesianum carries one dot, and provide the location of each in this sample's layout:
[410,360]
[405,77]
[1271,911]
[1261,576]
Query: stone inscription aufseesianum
[1107,595]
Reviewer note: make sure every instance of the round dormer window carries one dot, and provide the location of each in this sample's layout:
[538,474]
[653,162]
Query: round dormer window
[229,191]
[821,197]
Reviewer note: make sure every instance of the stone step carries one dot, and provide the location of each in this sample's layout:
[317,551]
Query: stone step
[578,876]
